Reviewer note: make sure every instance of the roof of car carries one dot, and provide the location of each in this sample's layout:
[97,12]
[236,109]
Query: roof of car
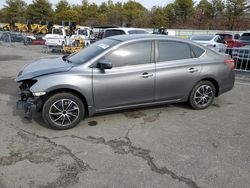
[132,37]
[142,36]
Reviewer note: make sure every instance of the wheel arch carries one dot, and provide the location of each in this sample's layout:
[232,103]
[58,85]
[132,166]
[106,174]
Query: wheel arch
[214,82]
[72,91]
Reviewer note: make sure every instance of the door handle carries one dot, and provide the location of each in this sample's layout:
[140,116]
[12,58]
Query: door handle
[191,70]
[145,75]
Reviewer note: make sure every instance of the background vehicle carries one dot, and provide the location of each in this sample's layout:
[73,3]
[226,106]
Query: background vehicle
[245,38]
[98,31]
[34,40]
[120,72]
[56,39]
[12,37]
[231,39]
[214,42]
[123,31]
[163,31]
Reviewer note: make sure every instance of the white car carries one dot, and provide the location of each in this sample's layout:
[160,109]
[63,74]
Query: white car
[123,31]
[57,38]
[214,42]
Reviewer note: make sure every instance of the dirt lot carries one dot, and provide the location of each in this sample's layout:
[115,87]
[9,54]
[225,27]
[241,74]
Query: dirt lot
[168,146]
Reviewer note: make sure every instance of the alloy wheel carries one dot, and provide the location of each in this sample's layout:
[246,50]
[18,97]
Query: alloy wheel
[64,112]
[203,95]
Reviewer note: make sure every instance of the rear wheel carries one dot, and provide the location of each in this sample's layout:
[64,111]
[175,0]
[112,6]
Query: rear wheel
[202,95]
[63,111]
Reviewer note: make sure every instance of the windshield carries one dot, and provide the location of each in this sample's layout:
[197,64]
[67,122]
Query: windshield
[245,36]
[92,51]
[202,37]
[83,32]
[57,31]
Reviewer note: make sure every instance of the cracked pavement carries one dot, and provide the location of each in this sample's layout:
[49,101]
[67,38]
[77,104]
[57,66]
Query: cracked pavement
[165,146]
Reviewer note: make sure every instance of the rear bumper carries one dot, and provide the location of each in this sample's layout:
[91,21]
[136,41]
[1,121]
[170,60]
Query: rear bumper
[228,84]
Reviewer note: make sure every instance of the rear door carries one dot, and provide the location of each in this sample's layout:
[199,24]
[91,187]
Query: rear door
[177,70]
[131,79]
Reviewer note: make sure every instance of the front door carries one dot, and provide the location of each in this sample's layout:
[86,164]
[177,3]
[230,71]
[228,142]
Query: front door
[131,79]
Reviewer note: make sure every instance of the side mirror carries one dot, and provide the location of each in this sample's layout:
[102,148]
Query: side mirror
[104,64]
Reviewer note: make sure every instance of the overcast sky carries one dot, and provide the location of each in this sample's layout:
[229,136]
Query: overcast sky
[146,3]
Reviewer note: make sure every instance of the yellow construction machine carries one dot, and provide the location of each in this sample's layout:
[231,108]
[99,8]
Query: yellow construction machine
[6,27]
[75,46]
[43,29]
[20,27]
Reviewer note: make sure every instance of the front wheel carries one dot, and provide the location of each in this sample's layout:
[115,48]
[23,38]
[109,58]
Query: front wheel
[202,95]
[63,111]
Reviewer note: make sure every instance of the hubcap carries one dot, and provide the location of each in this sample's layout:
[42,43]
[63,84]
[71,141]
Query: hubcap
[64,112]
[203,95]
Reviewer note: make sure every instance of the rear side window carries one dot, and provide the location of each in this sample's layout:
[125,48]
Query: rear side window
[197,50]
[109,33]
[170,50]
[131,54]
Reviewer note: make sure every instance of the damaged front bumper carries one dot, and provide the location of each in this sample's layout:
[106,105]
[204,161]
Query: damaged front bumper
[29,106]
[30,102]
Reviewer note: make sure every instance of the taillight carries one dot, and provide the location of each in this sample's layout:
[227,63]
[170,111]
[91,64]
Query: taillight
[230,63]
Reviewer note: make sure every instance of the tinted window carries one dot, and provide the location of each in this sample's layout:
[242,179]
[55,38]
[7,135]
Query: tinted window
[220,40]
[202,37]
[245,36]
[109,33]
[137,32]
[169,50]
[91,51]
[83,32]
[57,31]
[197,50]
[131,54]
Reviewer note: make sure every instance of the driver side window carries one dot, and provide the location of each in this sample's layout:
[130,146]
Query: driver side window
[131,54]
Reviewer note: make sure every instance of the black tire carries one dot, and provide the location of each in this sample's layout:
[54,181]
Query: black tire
[65,116]
[202,95]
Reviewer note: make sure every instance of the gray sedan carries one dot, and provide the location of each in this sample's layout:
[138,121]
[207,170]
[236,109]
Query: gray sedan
[121,72]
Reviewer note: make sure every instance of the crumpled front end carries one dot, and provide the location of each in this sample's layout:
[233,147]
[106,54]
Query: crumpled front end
[29,102]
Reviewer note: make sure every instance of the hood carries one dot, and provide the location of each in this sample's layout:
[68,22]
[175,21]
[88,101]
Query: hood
[43,66]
